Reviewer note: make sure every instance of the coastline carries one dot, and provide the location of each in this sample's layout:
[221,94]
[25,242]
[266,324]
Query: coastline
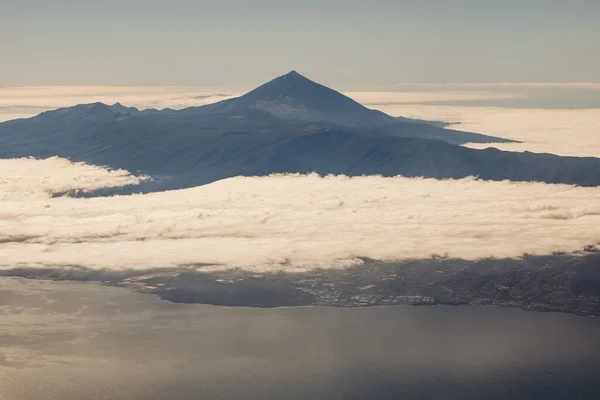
[567,283]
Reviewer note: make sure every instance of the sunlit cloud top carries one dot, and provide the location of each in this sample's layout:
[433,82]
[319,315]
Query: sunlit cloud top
[284,222]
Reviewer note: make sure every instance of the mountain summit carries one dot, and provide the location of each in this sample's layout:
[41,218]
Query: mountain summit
[288,125]
[293,96]
[295,102]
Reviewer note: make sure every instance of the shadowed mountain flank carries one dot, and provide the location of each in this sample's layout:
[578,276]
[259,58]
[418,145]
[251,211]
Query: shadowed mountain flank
[292,96]
[289,124]
[288,103]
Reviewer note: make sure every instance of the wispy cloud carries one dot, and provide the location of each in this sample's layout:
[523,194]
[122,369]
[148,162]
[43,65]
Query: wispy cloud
[21,102]
[499,85]
[376,99]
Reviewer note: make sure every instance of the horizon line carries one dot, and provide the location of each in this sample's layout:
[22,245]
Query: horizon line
[391,85]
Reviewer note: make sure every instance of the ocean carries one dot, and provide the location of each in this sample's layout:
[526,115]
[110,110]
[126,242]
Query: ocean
[73,340]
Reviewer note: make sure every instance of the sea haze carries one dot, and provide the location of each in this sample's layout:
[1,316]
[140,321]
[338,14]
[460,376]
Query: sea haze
[65,340]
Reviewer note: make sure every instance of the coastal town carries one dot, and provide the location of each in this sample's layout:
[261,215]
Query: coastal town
[558,282]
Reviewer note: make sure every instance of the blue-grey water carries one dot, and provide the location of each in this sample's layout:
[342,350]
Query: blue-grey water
[67,340]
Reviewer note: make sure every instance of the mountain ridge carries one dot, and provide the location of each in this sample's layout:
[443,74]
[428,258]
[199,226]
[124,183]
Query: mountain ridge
[295,95]
[291,101]
[196,146]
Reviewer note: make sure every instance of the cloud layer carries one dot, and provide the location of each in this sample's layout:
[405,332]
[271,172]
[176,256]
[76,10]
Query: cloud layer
[296,222]
[24,102]
[377,99]
[289,222]
[562,132]
[27,178]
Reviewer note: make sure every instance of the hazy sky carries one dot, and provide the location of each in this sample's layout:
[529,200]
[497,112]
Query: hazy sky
[338,42]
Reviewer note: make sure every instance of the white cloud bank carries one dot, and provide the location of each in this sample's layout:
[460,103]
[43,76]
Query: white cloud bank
[564,132]
[287,222]
[376,99]
[24,178]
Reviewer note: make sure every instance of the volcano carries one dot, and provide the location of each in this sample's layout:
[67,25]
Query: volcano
[292,96]
[288,125]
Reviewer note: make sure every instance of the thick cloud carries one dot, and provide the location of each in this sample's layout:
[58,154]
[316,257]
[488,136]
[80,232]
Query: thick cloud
[562,132]
[23,178]
[289,222]
[296,222]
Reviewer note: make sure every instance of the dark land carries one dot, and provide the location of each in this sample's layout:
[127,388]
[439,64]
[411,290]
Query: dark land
[559,282]
[288,125]
[294,125]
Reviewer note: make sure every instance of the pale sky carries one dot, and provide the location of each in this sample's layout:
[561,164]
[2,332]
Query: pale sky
[337,42]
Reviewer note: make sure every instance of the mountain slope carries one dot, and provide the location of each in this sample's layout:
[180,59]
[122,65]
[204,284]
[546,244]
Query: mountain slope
[244,136]
[288,103]
[293,96]
[182,157]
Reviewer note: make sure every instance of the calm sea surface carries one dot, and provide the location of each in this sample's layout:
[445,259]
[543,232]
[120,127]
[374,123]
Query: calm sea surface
[63,340]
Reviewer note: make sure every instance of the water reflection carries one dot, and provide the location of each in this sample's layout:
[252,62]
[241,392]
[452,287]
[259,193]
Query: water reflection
[61,340]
